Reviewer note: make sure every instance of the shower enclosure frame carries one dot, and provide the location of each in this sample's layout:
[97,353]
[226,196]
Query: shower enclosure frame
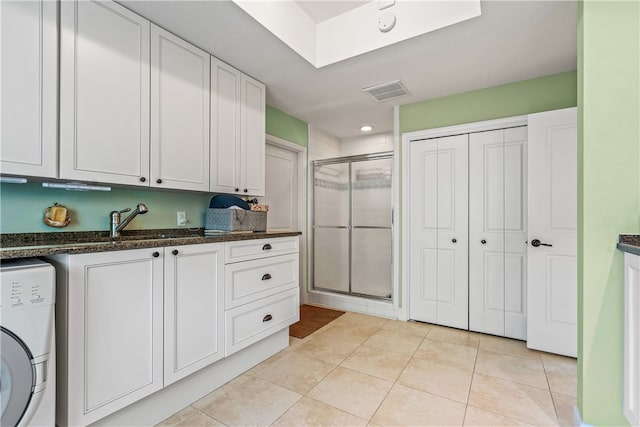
[351,159]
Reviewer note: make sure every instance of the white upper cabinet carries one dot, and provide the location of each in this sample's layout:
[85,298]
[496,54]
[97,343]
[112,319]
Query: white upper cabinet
[225,128]
[237,132]
[28,142]
[104,93]
[179,113]
[252,137]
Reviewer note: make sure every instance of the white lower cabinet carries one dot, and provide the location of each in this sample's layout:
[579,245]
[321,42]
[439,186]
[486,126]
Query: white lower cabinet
[262,294]
[631,400]
[256,320]
[132,322]
[193,308]
[109,332]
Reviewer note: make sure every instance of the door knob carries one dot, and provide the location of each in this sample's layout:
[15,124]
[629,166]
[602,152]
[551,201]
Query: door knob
[535,243]
[156,254]
[454,240]
[484,242]
[175,252]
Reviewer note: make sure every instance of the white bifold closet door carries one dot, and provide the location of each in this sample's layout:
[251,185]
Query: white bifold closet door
[438,229]
[498,232]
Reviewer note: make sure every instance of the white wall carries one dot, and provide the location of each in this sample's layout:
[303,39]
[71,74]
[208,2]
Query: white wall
[322,145]
[366,144]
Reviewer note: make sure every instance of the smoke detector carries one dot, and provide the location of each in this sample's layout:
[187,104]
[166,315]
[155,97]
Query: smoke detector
[387,91]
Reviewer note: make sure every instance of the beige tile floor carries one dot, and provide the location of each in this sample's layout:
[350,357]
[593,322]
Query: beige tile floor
[370,371]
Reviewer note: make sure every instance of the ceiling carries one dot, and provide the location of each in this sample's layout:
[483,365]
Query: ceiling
[322,10]
[510,41]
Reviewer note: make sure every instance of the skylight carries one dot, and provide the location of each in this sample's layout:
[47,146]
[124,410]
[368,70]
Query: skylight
[358,30]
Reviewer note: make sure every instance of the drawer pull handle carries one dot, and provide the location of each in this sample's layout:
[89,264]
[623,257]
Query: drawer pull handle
[267,318]
[266,277]
[266,247]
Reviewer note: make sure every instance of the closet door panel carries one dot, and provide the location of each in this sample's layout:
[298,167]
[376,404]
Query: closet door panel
[515,232]
[423,274]
[452,203]
[486,232]
[515,303]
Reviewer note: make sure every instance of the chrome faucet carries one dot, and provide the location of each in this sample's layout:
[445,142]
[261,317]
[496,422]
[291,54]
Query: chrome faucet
[117,226]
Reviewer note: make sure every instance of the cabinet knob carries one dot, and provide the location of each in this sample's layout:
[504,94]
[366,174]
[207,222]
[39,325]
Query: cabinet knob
[266,247]
[454,240]
[484,242]
[156,254]
[267,318]
[175,252]
[237,189]
[143,179]
[266,277]
[159,181]
[246,191]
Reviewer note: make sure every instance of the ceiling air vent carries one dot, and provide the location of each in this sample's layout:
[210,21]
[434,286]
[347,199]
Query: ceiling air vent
[387,91]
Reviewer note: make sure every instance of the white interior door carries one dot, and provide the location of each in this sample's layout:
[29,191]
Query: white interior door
[552,189]
[438,230]
[281,193]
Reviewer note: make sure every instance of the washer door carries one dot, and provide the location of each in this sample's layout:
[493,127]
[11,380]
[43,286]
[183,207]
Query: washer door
[16,378]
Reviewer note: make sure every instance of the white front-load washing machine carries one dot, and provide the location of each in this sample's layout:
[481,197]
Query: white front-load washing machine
[27,349]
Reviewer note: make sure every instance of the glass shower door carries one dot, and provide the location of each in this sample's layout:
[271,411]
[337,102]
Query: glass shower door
[331,227]
[352,229]
[371,244]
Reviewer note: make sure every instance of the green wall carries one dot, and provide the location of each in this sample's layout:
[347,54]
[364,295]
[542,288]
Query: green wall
[513,99]
[609,195]
[22,205]
[287,127]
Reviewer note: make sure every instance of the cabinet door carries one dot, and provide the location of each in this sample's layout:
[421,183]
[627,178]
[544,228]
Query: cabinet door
[179,113]
[438,229]
[553,219]
[497,232]
[29,88]
[252,137]
[225,128]
[115,331]
[104,93]
[194,308]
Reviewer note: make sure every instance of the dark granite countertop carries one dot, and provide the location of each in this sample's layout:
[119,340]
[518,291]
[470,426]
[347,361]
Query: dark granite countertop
[23,245]
[629,243]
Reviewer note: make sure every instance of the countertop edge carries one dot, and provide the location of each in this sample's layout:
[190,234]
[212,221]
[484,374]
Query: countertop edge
[630,249]
[90,247]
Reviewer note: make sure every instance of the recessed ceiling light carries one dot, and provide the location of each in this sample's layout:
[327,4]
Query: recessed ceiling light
[366,128]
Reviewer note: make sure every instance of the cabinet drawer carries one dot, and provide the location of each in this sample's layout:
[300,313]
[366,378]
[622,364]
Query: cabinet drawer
[252,322]
[252,249]
[251,280]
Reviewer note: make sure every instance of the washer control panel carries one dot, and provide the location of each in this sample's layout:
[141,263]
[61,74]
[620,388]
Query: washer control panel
[26,284]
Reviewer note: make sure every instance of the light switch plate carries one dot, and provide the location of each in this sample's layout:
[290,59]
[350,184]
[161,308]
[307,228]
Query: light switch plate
[181,218]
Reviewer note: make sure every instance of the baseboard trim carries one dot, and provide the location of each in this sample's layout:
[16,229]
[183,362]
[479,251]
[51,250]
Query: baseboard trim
[577,419]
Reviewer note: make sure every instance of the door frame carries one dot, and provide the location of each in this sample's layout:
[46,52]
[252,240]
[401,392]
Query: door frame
[408,138]
[301,154]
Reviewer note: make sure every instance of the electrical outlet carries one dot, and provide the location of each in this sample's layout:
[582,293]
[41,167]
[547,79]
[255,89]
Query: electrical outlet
[181,218]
